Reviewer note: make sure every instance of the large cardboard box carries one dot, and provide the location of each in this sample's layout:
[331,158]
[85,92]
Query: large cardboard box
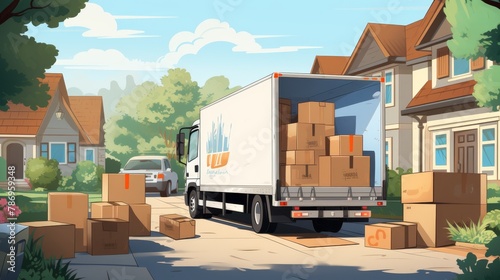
[317,113]
[344,171]
[140,220]
[107,236]
[431,220]
[301,175]
[58,239]
[444,187]
[305,136]
[283,135]
[110,210]
[70,208]
[177,226]
[285,111]
[410,233]
[128,188]
[329,130]
[385,236]
[299,157]
[344,145]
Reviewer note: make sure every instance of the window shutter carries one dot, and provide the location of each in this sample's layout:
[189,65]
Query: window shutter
[443,63]
[478,63]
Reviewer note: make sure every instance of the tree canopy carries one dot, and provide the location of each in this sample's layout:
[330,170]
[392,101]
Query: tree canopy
[23,60]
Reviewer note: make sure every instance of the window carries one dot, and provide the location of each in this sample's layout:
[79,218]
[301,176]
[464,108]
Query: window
[440,150]
[71,152]
[389,88]
[44,150]
[89,154]
[488,147]
[138,164]
[166,163]
[193,146]
[58,152]
[461,66]
[388,152]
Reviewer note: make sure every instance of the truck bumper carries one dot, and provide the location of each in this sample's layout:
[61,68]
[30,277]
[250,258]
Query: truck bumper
[312,214]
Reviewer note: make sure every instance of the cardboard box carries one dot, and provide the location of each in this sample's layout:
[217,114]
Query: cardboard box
[410,233]
[385,236]
[305,136]
[128,188]
[283,135]
[110,210]
[285,111]
[301,175]
[70,208]
[317,154]
[317,113]
[177,226]
[344,171]
[329,130]
[344,145]
[299,157]
[58,238]
[444,187]
[107,236]
[431,220]
[140,220]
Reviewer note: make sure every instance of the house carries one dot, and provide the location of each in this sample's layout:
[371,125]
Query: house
[69,129]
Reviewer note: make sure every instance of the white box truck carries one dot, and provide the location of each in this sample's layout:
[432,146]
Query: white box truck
[233,153]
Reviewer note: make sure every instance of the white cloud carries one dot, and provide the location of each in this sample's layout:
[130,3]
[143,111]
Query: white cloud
[213,30]
[142,17]
[101,24]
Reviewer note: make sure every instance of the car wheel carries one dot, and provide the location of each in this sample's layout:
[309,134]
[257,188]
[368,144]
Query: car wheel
[194,208]
[167,191]
[176,187]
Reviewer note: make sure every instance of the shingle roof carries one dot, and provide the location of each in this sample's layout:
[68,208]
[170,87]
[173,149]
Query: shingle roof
[429,20]
[330,65]
[428,95]
[412,36]
[89,112]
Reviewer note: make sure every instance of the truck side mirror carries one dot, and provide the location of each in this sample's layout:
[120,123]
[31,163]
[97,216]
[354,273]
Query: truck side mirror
[180,145]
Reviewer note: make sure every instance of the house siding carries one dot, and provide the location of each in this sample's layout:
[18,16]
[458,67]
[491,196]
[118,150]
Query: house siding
[368,54]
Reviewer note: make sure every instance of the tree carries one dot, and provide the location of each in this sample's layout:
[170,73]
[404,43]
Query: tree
[23,60]
[475,25]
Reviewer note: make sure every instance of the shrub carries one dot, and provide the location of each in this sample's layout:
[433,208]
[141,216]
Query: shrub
[87,176]
[43,173]
[66,184]
[493,193]
[40,190]
[113,165]
[475,233]
[394,182]
[492,221]
[7,211]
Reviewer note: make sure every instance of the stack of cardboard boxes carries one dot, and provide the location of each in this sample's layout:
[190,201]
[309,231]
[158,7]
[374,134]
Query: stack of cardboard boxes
[431,200]
[312,155]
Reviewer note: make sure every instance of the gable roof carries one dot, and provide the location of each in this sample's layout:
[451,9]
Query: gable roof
[412,36]
[90,114]
[429,23]
[330,65]
[390,38]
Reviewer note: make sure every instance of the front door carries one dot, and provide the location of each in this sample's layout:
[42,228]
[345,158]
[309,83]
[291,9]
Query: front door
[466,151]
[15,157]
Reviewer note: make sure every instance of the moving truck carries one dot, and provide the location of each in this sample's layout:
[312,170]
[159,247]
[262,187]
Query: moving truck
[237,153]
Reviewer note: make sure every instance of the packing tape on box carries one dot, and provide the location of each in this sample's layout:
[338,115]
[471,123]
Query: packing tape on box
[69,201]
[314,129]
[127,181]
[351,143]
[351,162]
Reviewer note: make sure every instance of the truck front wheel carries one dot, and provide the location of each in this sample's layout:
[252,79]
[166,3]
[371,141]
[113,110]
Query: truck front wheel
[333,225]
[260,219]
[194,209]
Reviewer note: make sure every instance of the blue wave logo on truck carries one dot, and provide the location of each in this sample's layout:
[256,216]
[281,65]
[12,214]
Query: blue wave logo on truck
[218,145]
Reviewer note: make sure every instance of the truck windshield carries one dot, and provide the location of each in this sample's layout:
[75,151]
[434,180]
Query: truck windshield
[193,145]
[151,164]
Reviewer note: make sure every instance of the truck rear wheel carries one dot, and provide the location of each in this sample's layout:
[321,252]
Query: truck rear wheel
[260,220]
[194,209]
[333,225]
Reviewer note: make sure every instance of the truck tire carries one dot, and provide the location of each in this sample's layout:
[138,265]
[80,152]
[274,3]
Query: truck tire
[167,191]
[333,225]
[260,219]
[194,209]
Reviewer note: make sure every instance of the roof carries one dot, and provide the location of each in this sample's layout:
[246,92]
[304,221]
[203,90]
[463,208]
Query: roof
[412,36]
[90,114]
[330,65]
[428,95]
[429,21]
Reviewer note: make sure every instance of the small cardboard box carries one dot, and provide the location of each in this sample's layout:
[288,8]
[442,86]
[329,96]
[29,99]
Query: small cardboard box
[317,154]
[385,236]
[107,236]
[299,157]
[317,113]
[344,171]
[431,220]
[444,187]
[301,175]
[305,136]
[283,135]
[344,145]
[128,188]
[177,226]
[329,130]
[110,210]
[58,239]
[410,233]
[285,110]
[140,220]
[70,208]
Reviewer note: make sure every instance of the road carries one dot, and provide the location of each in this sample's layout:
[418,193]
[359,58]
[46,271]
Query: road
[229,249]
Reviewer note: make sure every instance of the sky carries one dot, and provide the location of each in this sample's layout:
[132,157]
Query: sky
[242,40]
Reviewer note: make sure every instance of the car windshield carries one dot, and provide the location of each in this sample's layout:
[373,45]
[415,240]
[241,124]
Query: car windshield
[137,164]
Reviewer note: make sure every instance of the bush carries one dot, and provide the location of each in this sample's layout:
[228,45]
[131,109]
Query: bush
[87,176]
[43,173]
[492,221]
[66,184]
[112,165]
[493,193]
[394,182]
[475,233]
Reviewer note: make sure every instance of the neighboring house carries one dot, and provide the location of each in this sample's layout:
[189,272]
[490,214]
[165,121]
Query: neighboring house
[452,133]
[329,65]
[69,129]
